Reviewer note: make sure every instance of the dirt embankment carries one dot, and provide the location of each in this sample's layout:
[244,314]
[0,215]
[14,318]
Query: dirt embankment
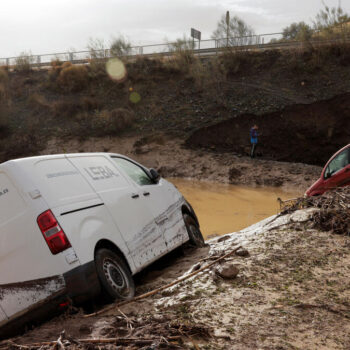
[307,133]
[289,288]
[179,96]
[173,159]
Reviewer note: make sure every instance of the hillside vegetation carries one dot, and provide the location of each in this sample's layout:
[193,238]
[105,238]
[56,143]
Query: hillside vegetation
[176,96]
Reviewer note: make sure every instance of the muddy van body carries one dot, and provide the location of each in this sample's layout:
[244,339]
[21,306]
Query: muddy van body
[74,225]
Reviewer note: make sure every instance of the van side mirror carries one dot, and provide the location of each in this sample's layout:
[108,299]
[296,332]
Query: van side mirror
[154,175]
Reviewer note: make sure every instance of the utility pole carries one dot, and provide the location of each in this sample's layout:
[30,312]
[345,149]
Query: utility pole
[228,26]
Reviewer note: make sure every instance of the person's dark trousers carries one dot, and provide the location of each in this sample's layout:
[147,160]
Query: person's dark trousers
[252,152]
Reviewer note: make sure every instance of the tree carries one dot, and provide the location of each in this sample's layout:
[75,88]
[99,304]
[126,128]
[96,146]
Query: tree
[298,31]
[181,44]
[240,33]
[183,50]
[120,47]
[331,19]
[96,48]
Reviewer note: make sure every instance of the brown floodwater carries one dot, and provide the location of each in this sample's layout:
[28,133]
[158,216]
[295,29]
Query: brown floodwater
[229,208]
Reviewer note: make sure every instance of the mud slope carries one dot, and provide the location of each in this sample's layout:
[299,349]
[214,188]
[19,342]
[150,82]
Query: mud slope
[307,133]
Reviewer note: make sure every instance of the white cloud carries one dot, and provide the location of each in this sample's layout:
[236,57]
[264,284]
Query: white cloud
[55,25]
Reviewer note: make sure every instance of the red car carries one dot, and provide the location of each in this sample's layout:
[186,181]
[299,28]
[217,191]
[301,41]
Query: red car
[336,173]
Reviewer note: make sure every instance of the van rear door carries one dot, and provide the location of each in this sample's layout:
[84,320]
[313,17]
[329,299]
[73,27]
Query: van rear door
[24,257]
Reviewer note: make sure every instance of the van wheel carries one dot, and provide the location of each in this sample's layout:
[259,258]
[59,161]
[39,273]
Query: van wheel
[194,233]
[114,275]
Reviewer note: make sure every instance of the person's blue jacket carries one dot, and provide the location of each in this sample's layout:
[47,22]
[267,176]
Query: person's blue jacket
[253,135]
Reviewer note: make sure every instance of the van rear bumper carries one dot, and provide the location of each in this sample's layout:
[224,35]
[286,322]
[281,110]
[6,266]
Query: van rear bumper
[33,315]
[82,283]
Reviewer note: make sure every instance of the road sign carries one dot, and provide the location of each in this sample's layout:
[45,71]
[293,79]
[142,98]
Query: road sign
[195,34]
[228,18]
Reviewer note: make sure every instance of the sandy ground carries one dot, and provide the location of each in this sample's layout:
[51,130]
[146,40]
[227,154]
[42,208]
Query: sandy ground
[172,159]
[291,292]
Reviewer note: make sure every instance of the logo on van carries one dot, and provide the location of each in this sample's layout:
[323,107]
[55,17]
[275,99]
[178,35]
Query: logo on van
[100,172]
[4,191]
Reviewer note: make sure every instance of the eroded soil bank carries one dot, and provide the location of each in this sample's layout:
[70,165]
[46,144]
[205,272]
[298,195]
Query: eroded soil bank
[307,133]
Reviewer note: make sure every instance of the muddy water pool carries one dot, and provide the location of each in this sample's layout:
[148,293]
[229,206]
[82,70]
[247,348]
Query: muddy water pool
[229,208]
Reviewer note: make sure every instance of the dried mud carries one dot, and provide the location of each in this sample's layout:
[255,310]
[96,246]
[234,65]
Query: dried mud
[292,292]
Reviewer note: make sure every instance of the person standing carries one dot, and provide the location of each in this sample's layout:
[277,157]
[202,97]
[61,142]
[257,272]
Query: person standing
[253,139]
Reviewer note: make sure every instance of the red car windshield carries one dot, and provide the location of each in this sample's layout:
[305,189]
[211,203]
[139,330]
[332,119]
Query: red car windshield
[337,163]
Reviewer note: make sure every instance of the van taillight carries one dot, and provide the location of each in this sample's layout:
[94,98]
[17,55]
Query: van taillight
[54,236]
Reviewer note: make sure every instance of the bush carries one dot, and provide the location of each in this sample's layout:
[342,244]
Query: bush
[97,60]
[298,31]
[90,104]
[183,55]
[116,120]
[208,75]
[4,121]
[21,145]
[70,108]
[66,108]
[104,123]
[73,78]
[120,47]
[37,102]
[56,63]
[240,33]
[23,62]
[4,80]
[332,22]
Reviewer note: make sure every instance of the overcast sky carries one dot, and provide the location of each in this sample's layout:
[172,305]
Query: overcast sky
[49,26]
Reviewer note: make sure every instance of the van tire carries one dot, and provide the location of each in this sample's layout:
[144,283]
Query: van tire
[194,233]
[114,275]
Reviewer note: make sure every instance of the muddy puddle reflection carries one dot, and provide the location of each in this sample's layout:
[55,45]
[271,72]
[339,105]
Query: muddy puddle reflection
[229,208]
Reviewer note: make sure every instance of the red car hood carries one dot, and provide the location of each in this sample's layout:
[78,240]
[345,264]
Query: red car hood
[310,191]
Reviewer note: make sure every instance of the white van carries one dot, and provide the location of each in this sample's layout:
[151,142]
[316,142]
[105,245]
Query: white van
[74,225]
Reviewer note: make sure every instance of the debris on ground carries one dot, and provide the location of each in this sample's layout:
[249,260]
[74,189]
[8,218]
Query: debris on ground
[123,332]
[289,288]
[334,210]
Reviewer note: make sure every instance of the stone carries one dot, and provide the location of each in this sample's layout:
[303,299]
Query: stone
[224,238]
[242,252]
[227,270]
